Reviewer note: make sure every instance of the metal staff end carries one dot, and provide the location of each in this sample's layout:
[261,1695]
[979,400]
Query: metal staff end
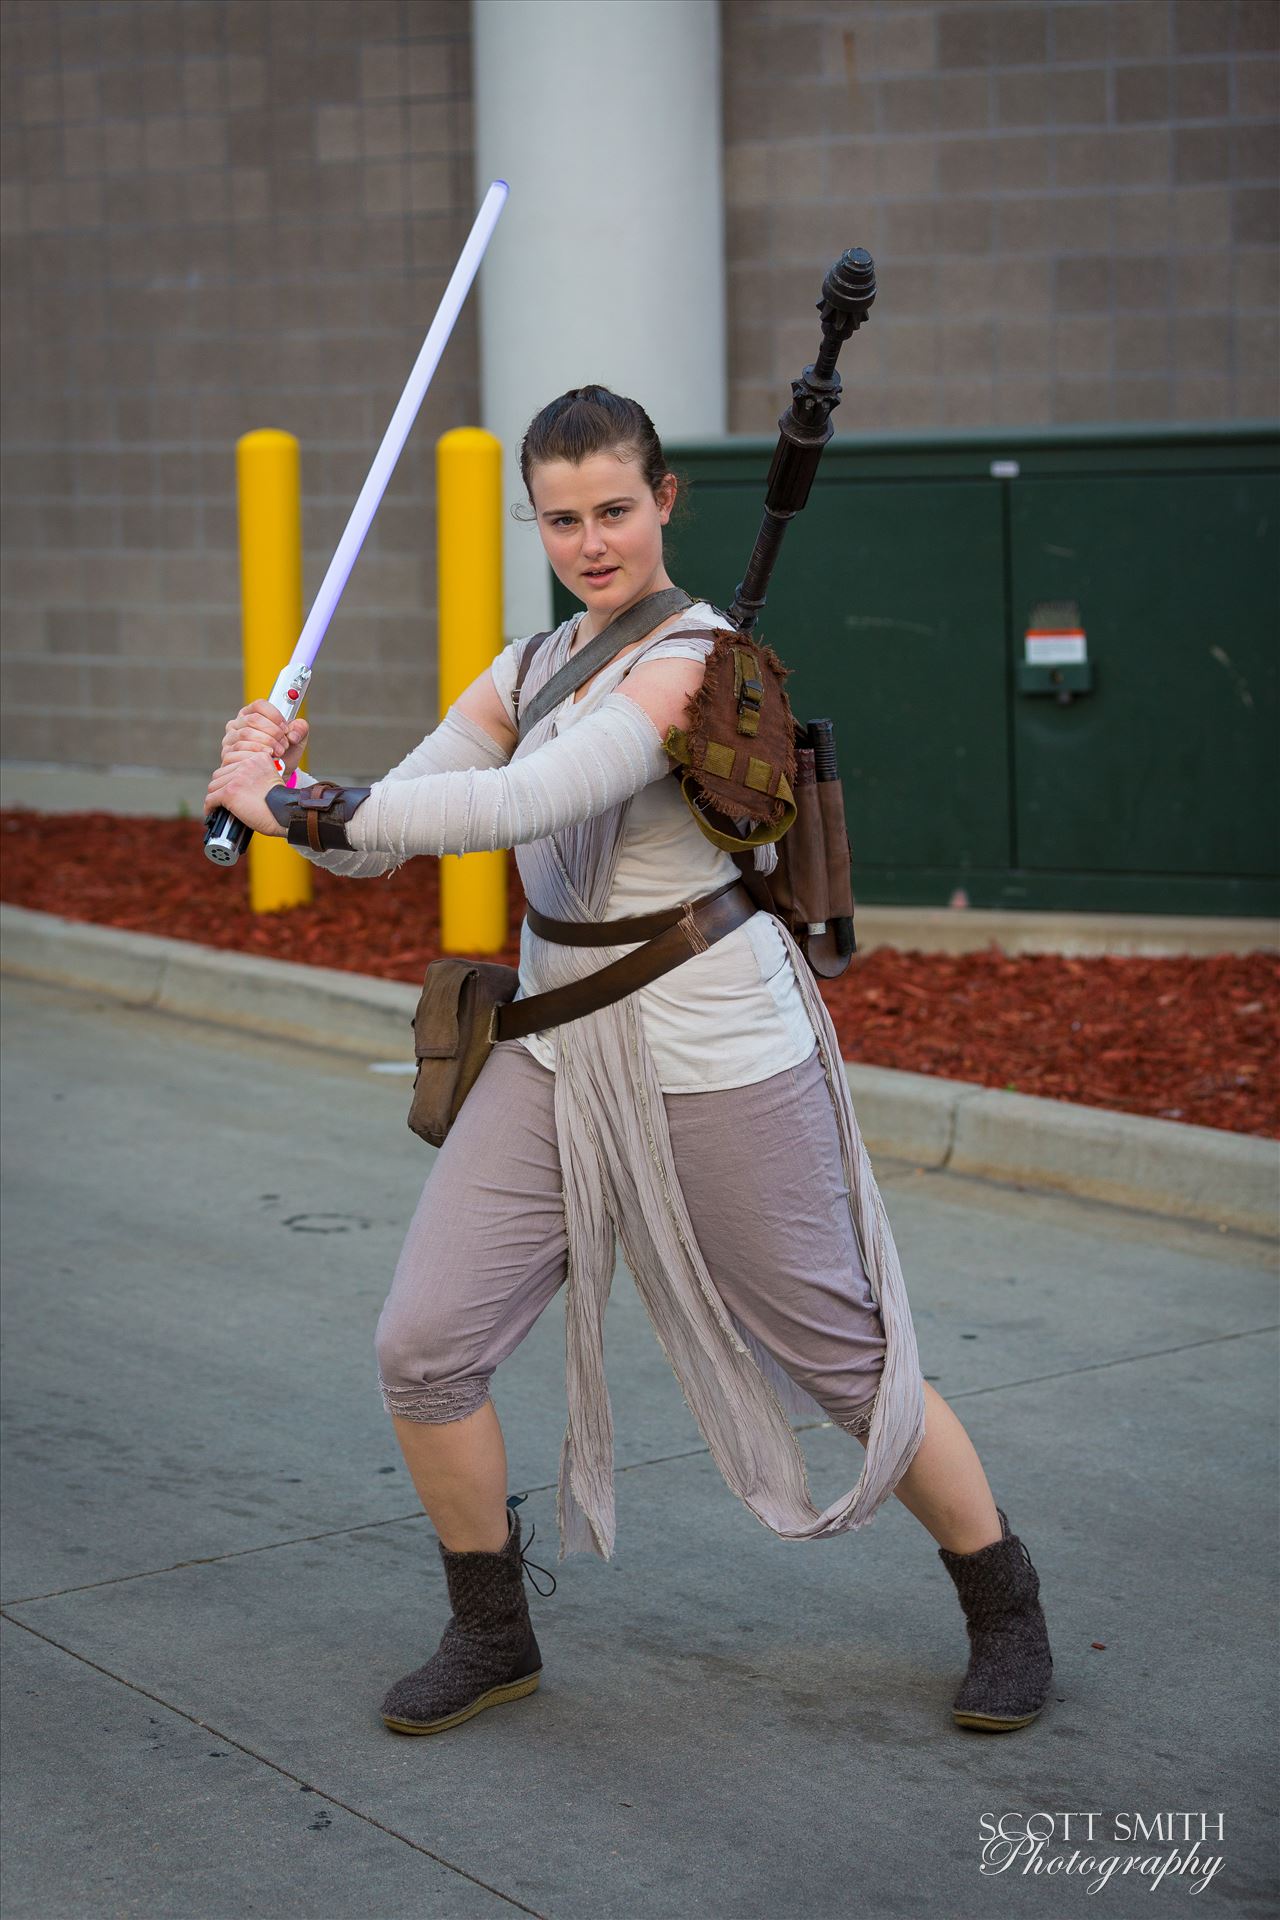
[850,287]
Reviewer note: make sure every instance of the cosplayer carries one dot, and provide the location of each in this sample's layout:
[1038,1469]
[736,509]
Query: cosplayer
[702,1122]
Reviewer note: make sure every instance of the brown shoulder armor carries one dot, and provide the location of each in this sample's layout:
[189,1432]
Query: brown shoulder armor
[742,756]
[736,753]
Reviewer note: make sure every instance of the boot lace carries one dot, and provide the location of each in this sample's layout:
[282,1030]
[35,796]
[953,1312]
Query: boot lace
[1006,1532]
[531,1566]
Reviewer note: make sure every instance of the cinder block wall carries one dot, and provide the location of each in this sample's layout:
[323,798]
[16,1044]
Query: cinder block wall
[1073,206]
[219,215]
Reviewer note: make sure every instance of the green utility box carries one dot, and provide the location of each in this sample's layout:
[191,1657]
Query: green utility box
[1050,658]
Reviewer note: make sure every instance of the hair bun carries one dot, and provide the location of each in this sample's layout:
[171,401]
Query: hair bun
[588,420]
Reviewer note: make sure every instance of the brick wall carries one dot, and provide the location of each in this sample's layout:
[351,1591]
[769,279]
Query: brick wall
[219,215]
[1072,205]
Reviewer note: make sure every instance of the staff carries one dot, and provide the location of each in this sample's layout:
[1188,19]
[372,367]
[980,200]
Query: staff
[805,428]
[226,837]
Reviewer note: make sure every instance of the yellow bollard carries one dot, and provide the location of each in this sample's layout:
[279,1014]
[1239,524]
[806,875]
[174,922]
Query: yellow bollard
[473,886]
[269,498]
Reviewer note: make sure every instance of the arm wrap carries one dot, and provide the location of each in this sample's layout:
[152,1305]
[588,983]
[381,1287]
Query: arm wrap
[456,743]
[598,762]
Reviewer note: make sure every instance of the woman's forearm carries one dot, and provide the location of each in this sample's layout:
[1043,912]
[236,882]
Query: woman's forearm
[456,744]
[598,762]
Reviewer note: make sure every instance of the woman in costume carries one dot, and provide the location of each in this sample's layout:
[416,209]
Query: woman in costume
[772,1295]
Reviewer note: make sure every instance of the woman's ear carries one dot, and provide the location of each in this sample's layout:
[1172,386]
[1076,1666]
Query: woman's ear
[666,496]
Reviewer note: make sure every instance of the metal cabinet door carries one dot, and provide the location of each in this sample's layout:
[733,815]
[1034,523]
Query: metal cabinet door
[888,604]
[1167,765]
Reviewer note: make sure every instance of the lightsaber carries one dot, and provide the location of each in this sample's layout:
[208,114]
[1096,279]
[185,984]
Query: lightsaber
[226,837]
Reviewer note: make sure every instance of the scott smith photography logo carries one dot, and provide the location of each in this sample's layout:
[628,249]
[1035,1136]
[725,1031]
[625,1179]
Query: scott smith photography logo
[1174,1846]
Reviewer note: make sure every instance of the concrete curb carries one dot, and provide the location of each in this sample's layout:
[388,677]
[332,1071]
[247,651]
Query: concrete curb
[1159,1166]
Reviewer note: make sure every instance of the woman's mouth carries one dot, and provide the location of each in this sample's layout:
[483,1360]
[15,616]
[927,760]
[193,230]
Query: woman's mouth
[598,575]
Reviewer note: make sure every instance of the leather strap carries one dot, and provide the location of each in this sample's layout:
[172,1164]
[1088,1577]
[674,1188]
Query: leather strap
[632,625]
[526,661]
[617,933]
[696,929]
[316,816]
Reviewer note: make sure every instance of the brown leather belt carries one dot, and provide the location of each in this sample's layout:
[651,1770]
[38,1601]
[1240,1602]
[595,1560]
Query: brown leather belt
[671,936]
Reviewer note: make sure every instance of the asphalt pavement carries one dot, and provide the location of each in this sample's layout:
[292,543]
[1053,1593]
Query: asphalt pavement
[214,1561]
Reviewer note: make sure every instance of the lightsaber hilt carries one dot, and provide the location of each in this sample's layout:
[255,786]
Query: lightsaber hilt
[225,837]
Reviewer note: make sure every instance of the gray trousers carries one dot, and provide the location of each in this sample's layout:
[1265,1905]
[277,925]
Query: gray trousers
[761,1173]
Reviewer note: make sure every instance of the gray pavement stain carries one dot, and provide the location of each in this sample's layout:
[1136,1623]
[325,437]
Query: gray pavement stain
[1138,1318]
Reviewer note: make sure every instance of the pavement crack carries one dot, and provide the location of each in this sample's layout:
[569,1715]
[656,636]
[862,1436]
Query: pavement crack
[633,1466]
[306,1539]
[1123,1360]
[953,1121]
[251,1753]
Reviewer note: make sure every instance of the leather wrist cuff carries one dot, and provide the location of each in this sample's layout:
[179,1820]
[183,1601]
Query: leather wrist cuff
[316,816]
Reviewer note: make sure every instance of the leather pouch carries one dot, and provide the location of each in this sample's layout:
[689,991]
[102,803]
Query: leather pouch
[837,853]
[451,1038]
[799,881]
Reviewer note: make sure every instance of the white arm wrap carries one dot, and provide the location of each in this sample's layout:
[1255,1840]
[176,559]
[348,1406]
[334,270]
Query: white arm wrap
[595,764]
[456,743]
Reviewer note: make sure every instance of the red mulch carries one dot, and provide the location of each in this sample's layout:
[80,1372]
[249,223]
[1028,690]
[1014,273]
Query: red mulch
[1191,1039]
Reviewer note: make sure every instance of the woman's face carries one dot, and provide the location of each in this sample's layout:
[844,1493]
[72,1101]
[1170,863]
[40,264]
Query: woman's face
[601,526]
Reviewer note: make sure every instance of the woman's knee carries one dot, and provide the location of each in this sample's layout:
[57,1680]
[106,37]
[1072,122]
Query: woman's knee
[849,1397]
[422,1375]
[857,1419]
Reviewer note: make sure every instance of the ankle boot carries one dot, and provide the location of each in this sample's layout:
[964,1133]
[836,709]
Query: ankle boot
[487,1653]
[1010,1665]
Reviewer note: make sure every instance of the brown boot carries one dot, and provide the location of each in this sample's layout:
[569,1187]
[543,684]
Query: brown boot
[1010,1665]
[487,1653]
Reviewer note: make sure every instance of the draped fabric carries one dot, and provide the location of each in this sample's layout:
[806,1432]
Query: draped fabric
[620,1180]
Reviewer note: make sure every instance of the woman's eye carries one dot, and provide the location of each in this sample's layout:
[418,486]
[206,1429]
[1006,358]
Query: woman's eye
[615,509]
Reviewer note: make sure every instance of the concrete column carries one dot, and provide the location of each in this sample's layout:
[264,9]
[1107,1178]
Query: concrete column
[608,264]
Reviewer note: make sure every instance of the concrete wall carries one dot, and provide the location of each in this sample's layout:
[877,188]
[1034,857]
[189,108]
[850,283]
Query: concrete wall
[219,215]
[225,214]
[1073,206]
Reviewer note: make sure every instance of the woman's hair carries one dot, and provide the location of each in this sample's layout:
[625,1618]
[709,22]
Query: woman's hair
[589,420]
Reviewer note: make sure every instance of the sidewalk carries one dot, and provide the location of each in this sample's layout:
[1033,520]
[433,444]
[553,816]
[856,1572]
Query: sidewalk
[215,1562]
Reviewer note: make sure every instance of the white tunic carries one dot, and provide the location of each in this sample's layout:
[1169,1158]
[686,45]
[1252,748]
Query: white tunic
[743,988]
[621,1185]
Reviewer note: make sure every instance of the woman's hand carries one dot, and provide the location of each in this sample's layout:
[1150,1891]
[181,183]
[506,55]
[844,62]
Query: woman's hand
[258,728]
[241,785]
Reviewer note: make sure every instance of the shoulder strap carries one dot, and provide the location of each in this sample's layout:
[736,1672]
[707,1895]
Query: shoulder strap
[634,624]
[526,661]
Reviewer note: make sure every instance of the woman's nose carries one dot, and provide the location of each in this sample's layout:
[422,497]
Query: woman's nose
[593,539]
